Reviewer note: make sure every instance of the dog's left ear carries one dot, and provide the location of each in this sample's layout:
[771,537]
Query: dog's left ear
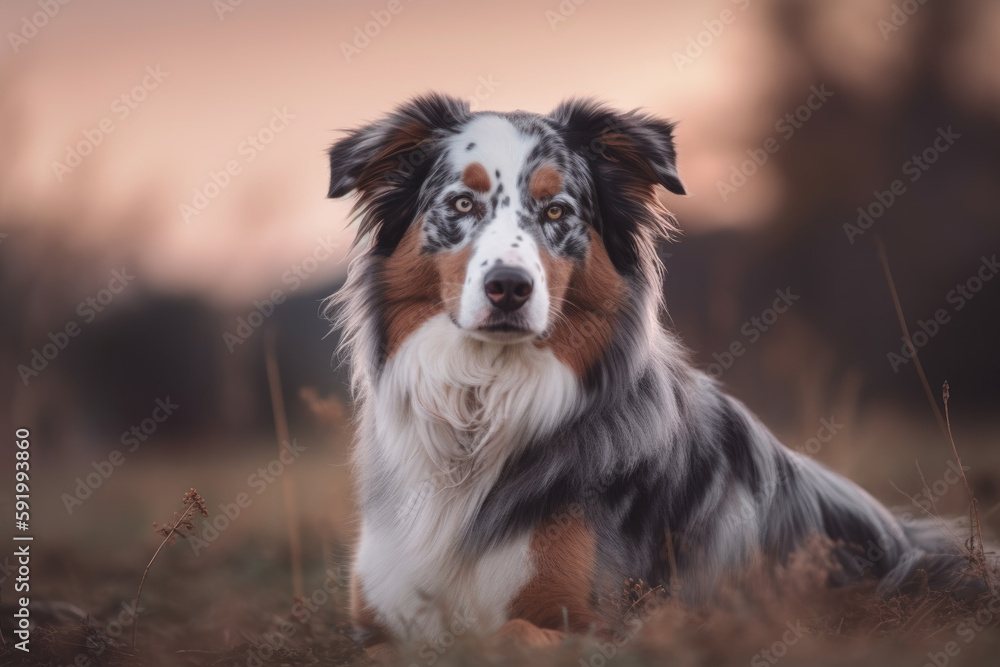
[385,162]
[641,144]
[628,155]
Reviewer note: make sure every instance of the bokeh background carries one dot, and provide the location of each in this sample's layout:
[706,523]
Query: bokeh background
[119,121]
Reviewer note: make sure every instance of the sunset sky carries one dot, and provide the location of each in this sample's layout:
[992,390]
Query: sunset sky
[225,69]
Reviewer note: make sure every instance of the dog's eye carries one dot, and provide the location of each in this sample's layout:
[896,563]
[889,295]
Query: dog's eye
[462,204]
[554,212]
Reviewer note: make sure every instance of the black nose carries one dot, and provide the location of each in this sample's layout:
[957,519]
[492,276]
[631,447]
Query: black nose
[507,287]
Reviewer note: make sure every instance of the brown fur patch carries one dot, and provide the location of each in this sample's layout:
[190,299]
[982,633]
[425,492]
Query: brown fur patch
[589,297]
[475,177]
[562,550]
[545,182]
[384,654]
[622,148]
[401,140]
[451,268]
[418,286]
[558,271]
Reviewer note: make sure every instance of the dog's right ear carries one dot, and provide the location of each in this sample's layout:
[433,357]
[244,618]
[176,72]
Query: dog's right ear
[386,161]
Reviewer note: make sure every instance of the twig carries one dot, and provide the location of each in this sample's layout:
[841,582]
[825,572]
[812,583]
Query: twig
[927,489]
[913,500]
[642,597]
[941,522]
[976,528]
[284,440]
[138,593]
[906,335]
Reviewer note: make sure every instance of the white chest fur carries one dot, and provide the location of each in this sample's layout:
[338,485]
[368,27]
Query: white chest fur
[447,413]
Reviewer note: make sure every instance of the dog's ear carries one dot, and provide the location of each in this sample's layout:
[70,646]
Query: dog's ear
[637,143]
[386,161]
[628,154]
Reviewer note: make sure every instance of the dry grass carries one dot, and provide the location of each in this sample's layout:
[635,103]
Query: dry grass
[182,526]
[231,605]
[799,621]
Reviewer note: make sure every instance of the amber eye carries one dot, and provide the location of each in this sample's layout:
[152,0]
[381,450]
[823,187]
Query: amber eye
[554,212]
[462,204]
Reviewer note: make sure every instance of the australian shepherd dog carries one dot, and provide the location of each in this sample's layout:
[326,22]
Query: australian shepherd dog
[530,434]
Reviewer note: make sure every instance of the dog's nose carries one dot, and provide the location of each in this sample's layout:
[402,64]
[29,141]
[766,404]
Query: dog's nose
[507,287]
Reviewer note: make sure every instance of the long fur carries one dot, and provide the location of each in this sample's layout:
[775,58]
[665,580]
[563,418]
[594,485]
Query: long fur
[466,448]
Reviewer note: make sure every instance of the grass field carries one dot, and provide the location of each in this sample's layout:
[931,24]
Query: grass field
[227,599]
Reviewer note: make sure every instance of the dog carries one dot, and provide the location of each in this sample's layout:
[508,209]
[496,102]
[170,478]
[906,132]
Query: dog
[529,434]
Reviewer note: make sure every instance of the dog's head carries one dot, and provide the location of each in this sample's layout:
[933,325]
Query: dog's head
[520,227]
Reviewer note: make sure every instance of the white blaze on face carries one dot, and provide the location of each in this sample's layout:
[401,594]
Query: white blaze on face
[499,147]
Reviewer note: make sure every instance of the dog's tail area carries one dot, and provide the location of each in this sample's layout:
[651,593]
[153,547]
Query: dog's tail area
[939,558]
[903,551]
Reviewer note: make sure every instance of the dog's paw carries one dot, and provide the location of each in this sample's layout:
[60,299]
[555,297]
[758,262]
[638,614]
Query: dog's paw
[383,654]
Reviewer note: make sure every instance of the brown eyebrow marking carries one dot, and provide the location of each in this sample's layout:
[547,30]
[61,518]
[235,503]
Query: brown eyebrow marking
[545,182]
[475,177]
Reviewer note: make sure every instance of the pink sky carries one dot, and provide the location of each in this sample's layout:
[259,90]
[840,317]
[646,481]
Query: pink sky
[226,76]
